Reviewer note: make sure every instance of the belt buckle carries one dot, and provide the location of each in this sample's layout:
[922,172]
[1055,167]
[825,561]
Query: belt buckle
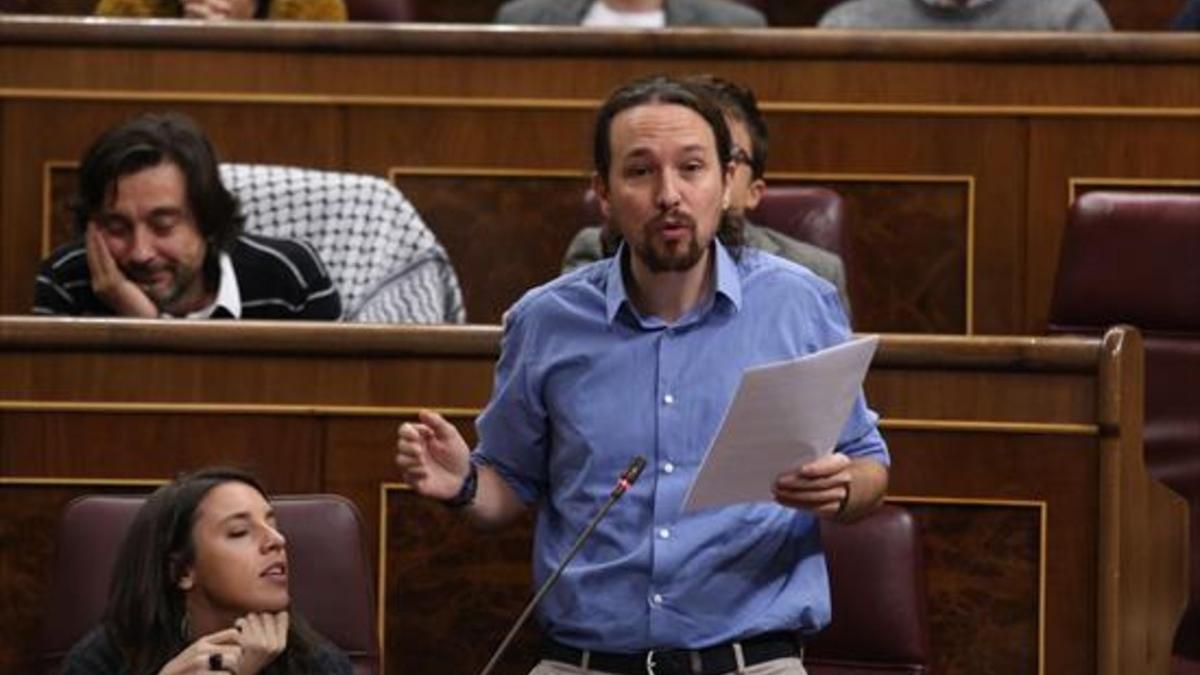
[650,664]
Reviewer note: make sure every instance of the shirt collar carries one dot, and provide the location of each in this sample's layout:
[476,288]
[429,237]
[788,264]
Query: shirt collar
[728,283]
[229,297]
[601,15]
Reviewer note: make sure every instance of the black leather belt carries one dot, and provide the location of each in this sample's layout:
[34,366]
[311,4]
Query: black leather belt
[707,661]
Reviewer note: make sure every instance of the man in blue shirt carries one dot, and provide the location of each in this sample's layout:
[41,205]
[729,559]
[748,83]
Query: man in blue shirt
[641,354]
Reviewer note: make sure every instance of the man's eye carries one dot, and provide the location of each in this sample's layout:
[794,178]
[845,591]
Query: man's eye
[637,171]
[114,226]
[234,534]
[163,224]
[693,167]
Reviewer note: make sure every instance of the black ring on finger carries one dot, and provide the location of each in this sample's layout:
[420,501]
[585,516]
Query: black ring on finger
[215,662]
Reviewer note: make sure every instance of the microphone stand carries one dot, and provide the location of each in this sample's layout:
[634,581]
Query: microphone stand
[626,480]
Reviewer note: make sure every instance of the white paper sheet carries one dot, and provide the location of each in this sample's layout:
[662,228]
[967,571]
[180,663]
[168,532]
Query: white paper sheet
[783,415]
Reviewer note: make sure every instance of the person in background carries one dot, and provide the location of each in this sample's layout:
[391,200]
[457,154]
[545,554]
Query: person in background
[201,585]
[1000,15]
[161,236]
[748,131]
[630,13]
[639,355]
[1188,17]
[303,10]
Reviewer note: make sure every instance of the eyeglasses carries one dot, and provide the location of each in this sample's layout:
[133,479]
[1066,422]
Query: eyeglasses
[739,156]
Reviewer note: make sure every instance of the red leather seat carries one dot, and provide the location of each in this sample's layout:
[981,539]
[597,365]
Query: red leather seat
[814,215]
[1134,258]
[331,578]
[877,586]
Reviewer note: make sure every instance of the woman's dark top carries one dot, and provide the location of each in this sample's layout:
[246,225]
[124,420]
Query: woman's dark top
[96,654]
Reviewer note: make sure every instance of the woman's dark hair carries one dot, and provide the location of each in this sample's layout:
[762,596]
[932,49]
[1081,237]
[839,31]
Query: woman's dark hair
[146,608]
[668,90]
[146,141]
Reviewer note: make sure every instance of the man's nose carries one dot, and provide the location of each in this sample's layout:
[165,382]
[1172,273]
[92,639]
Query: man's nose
[668,191]
[141,245]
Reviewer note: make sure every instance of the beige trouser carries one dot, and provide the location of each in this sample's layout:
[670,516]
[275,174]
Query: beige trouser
[788,666]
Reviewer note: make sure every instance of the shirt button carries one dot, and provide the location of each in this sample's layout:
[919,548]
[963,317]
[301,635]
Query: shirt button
[668,399]
[657,599]
[668,468]
[664,533]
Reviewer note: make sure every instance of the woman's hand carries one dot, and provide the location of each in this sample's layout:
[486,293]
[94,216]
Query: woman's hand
[220,651]
[263,636]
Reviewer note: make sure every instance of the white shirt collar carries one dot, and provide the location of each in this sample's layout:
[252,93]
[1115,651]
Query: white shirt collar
[601,15]
[228,294]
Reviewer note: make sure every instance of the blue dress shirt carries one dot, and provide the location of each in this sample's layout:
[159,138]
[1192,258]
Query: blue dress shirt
[584,383]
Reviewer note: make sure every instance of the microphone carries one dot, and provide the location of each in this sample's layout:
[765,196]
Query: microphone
[628,477]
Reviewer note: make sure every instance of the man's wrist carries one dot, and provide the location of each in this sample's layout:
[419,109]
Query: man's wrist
[466,493]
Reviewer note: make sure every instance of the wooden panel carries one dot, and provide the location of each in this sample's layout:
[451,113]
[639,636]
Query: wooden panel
[499,257]
[993,466]
[906,261]
[27,541]
[284,451]
[536,136]
[1011,398]
[359,455]
[932,226]
[48,6]
[462,594]
[274,384]
[462,11]
[1005,119]
[982,569]
[1141,14]
[60,182]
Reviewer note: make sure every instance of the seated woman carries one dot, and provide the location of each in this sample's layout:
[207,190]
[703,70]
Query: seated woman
[306,10]
[200,585]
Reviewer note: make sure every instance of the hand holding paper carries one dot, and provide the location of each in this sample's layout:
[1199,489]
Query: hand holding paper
[783,416]
[821,486]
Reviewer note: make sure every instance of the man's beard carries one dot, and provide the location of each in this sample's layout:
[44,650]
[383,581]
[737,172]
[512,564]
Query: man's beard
[667,259]
[181,279]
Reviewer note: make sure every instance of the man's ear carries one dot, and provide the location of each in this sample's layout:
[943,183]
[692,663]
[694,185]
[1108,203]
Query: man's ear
[600,189]
[755,193]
